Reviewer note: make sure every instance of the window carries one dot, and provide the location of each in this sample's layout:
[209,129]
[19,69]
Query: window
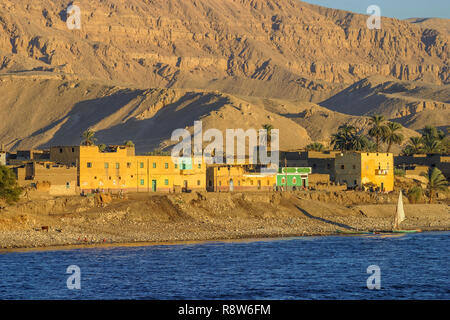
[355,182]
[198,182]
[73,150]
[141,165]
[354,167]
[166,182]
[176,166]
[154,165]
[199,166]
[220,183]
[106,165]
[342,167]
[117,165]
[128,165]
[68,185]
[89,164]
[142,182]
[166,165]
[60,150]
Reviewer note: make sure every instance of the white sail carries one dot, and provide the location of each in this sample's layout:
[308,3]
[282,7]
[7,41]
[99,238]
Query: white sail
[400,214]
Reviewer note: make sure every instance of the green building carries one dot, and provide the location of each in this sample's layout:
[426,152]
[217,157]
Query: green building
[293,177]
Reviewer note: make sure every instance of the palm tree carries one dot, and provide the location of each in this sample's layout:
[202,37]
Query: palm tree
[393,136]
[432,133]
[415,194]
[102,147]
[415,146]
[268,135]
[432,146]
[436,182]
[88,138]
[378,130]
[343,139]
[316,146]
[360,143]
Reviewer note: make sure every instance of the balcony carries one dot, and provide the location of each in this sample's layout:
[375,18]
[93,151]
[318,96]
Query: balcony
[381,172]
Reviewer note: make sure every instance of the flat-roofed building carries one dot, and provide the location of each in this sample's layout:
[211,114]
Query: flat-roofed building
[359,169]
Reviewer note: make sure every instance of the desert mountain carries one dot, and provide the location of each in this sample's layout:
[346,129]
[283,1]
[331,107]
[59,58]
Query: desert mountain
[148,117]
[138,69]
[270,48]
[414,104]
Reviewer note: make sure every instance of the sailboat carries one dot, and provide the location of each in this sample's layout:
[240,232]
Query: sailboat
[400,217]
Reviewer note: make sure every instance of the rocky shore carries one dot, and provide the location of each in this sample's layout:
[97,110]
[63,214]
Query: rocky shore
[143,219]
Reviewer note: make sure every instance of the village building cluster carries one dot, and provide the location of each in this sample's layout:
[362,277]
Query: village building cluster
[69,170]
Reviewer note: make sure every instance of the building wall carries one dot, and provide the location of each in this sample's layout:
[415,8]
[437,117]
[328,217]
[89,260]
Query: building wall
[348,169]
[378,168]
[62,179]
[357,169]
[293,177]
[442,162]
[220,178]
[118,170]
[67,155]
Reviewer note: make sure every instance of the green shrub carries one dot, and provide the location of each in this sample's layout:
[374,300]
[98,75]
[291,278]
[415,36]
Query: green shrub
[10,191]
[399,172]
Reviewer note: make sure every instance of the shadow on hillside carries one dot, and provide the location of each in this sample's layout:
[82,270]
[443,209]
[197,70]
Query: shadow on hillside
[147,133]
[341,225]
[86,114]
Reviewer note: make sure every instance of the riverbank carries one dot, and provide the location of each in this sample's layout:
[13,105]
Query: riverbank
[144,219]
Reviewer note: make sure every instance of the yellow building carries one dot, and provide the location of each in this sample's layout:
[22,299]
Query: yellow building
[224,178]
[357,169]
[118,168]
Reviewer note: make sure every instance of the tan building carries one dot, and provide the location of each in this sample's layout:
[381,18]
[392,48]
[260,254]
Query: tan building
[57,179]
[358,169]
[320,162]
[118,168]
[229,178]
[418,161]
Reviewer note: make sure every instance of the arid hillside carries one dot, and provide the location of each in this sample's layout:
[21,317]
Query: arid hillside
[139,69]
[414,104]
[42,112]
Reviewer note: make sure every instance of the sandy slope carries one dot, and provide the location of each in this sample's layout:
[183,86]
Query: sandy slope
[186,217]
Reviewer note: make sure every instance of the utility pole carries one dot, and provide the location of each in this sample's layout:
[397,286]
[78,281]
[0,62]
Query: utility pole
[285,172]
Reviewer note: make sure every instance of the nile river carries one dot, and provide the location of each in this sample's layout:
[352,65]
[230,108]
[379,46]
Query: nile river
[414,266]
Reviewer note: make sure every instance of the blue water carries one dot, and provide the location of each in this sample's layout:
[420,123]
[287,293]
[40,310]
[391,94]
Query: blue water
[414,266]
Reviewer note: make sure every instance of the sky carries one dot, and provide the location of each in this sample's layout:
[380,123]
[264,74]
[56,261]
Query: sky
[400,9]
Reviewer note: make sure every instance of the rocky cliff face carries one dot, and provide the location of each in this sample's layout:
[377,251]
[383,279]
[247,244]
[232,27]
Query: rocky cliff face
[271,48]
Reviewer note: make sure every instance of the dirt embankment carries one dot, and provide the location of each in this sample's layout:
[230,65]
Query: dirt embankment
[204,216]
